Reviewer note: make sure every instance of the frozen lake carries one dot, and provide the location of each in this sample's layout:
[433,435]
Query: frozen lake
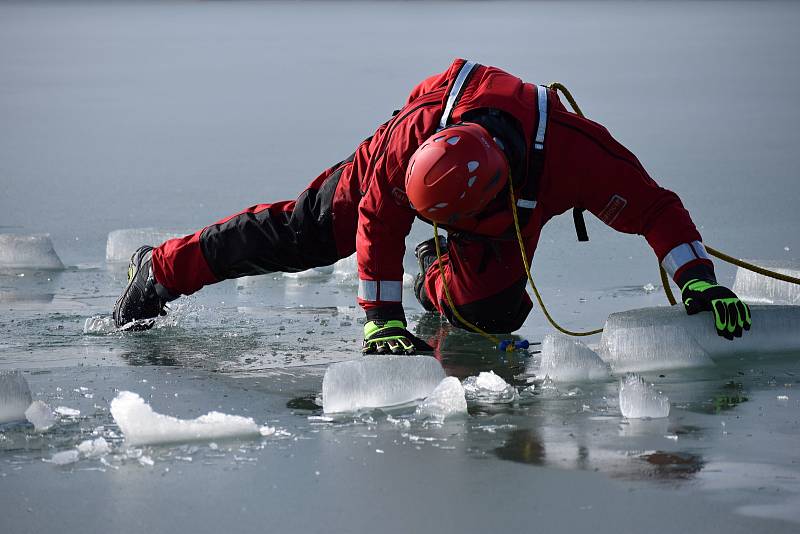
[172,115]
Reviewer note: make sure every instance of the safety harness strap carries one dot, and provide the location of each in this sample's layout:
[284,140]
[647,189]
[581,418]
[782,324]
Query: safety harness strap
[455,92]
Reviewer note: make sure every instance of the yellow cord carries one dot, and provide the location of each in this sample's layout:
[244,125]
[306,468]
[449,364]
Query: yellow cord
[664,279]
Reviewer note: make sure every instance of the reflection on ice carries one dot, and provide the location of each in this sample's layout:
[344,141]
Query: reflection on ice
[667,338]
[379,381]
[753,287]
[143,426]
[28,252]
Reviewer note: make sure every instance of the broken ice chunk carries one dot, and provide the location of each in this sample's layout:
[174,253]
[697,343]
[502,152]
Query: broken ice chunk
[638,399]
[666,338]
[64,457]
[142,426]
[568,360]
[121,244]
[379,381]
[28,252]
[311,274]
[63,411]
[99,324]
[488,388]
[754,287]
[447,400]
[15,396]
[94,448]
[41,416]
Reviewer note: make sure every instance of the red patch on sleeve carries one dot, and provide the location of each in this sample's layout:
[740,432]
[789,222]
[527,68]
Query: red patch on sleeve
[612,209]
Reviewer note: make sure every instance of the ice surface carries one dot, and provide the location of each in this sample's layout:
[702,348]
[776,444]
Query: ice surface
[488,388]
[28,252]
[94,448]
[666,338]
[379,381]
[15,396]
[753,287]
[121,244]
[41,416]
[447,400]
[568,360]
[638,399]
[142,426]
[65,457]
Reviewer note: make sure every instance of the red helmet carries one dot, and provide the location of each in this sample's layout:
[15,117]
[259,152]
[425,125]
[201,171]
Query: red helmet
[455,173]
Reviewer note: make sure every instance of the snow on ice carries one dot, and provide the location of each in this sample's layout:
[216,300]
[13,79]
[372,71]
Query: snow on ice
[488,388]
[143,426]
[445,401]
[15,396]
[568,360]
[28,252]
[638,399]
[379,381]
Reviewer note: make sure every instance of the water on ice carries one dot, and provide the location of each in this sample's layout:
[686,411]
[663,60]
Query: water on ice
[41,416]
[667,338]
[121,244]
[756,288]
[143,426]
[446,400]
[488,388]
[28,252]
[379,381]
[568,360]
[15,396]
[638,399]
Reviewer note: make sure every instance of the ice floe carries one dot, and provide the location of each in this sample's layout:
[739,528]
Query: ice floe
[666,338]
[639,400]
[568,360]
[15,396]
[143,426]
[41,416]
[447,400]
[756,288]
[121,244]
[28,252]
[379,381]
[488,388]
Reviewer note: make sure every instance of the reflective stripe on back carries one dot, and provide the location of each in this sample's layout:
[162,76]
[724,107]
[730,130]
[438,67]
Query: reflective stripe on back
[539,141]
[455,91]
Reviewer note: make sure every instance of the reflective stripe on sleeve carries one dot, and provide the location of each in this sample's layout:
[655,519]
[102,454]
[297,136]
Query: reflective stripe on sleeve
[683,254]
[380,290]
[539,142]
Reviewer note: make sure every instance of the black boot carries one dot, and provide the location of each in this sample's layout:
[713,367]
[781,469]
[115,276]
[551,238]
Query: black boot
[426,256]
[143,297]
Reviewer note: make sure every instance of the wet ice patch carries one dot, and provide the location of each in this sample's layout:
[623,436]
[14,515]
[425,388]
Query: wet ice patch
[15,396]
[28,252]
[666,338]
[379,381]
[41,416]
[121,244]
[638,399]
[756,288]
[488,388]
[143,426]
[447,400]
[569,360]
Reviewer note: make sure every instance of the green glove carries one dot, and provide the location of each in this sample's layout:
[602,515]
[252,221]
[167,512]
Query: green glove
[382,337]
[731,315]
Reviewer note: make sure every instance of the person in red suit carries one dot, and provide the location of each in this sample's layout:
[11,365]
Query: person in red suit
[463,139]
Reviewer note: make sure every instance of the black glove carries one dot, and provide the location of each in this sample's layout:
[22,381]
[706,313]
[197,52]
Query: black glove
[731,315]
[382,337]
